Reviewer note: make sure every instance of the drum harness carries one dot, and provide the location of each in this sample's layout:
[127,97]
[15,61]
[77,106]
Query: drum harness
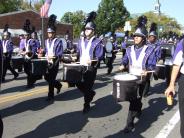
[5,42]
[87,68]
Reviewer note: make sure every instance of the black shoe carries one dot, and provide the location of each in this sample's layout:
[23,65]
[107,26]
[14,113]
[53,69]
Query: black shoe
[109,71]
[93,93]
[155,77]
[20,70]
[139,113]
[129,128]
[50,99]
[59,89]
[86,108]
[15,76]
[30,86]
[3,79]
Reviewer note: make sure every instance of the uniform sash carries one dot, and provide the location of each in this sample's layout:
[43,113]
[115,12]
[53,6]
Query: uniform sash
[5,42]
[27,46]
[50,48]
[85,57]
[136,67]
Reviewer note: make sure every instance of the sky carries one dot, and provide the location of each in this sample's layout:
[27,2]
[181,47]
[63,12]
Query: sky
[172,8]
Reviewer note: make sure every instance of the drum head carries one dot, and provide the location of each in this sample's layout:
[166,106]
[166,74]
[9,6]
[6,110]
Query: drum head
[160,65]
[125,77]
[17,57]
[168,61]
[39,59]
[109,46]
[73,64]
[64,44]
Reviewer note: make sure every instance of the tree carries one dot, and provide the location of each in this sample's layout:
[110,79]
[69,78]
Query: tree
[165,23]
[9,6]
[111,15]
[76,19]
[31,4]
[16,5]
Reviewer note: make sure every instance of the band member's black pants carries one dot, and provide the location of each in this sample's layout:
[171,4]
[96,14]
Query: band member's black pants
[87,84]
[50,77]
[109,63]
[6,66]
[1,127]
[135,105]
[147,85]
[30,78]
[168,70]
[181,103]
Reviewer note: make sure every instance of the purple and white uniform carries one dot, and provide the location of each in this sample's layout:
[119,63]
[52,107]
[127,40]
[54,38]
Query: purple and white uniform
[178,56]
[89,50]
[139,59]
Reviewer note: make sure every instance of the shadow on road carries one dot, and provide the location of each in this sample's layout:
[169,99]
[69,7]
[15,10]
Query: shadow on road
[150,114]
[68,123]
[73,122]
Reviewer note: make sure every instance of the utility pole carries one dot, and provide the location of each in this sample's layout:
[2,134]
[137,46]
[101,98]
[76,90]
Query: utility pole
[157,11]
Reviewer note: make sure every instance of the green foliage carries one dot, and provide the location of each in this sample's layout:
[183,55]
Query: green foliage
[111,15]
[165,23]
[34,5]
[76,19]
[15,5]
[9,5]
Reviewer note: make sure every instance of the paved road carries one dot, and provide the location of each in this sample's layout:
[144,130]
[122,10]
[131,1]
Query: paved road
[26,114]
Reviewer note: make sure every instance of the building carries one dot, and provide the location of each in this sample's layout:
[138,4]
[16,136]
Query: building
[16,20]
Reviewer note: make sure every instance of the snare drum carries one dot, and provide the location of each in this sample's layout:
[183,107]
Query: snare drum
[67,58]
[39,66]
[160,71]
[125,87]
[167,50]
[72,73]
[17,62]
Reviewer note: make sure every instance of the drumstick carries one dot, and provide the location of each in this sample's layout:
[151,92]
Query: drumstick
[150,71]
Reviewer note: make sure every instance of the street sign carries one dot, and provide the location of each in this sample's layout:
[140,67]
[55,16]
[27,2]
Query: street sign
[127,26]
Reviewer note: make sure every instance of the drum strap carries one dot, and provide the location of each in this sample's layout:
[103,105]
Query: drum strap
[5,42]
[27,46]
[50,48]
[137,63]
[85,51]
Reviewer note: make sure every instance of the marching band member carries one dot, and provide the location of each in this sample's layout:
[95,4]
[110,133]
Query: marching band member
[69,48]
[178,70]
[54,51]
[124,45]
[1,70]
[140,59]
[1,62]
[124,42]
[34,36]
[89,48]
[29,52]
[21,48]
[112,53]
[21,43]
[7,45]
[152,42]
